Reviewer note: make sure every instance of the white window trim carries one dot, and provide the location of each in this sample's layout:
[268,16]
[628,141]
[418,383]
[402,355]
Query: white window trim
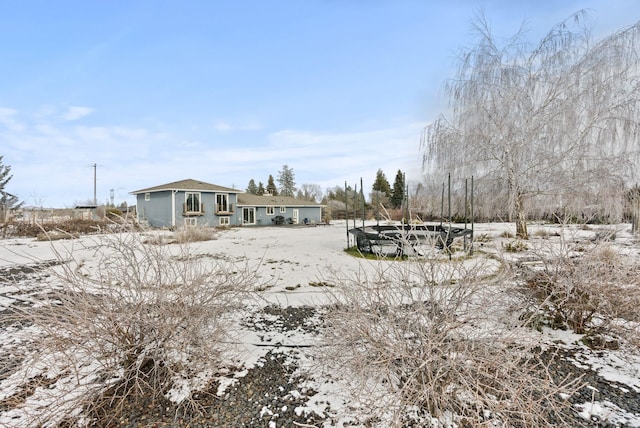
[225,196]
[283,210]
[191,221]
[147,196]
[186,198]
[224,221]
[254,214]
[271,210]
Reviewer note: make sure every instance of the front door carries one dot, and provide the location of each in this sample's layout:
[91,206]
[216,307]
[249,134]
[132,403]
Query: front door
[295,216]
[248,215]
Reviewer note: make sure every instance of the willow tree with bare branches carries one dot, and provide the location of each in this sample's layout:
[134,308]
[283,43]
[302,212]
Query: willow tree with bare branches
[559,119]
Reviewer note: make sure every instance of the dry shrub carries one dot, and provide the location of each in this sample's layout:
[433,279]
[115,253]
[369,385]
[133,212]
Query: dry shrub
[194,234]
[183,235]
[591,290]
[421,344]
[516,246]
[141,321]
[72,227]
[113,213]
[481,237]
[545,233]
[158,238]
[507,234]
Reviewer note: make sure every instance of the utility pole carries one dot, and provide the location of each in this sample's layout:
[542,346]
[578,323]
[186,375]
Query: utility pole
[95,195]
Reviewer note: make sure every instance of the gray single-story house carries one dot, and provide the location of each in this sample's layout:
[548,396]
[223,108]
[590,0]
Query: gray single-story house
[192,203]
[268,209]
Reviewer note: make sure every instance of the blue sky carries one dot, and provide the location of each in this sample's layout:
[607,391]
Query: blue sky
[225,91]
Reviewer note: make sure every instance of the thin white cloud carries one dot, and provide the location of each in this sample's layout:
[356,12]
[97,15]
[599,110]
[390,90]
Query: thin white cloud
[76,112]
[9,121]
[93,133]
[222,125]
[7,113]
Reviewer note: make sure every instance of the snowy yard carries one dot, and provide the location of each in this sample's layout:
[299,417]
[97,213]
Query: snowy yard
[269,363]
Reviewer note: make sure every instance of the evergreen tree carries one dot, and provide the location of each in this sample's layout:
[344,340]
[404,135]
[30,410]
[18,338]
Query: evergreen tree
[271,186]
[397,194]
[286,180]
[7,200]
[381,184]
[252,188]
[260,190]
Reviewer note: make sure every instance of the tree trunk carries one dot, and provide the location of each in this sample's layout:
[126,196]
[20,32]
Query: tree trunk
[521,217]
[635,215]
[518,199]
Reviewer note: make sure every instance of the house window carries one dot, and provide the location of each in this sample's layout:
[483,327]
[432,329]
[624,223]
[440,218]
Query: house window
[283,210]
[147,196]
[222,202]
[248,215]
[188,222]
[192,202]
[224,221]
[270,211]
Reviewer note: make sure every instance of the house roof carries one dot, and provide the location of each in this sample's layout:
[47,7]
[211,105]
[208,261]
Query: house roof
[188,184]
[269,200]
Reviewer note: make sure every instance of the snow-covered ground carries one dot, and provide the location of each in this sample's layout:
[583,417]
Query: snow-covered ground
[293,263]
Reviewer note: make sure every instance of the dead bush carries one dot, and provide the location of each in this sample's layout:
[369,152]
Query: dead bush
[421,344]
[516,246]
[72,227]
[133,320]
[591,289]
[481,237]
[194,234]
[507,234]
[545,233]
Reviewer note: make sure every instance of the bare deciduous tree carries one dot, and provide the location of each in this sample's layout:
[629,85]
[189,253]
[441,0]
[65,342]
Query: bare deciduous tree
[310,192]
[558,119]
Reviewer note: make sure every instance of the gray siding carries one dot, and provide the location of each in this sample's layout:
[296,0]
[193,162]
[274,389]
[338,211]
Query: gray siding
[312,214]
[156,211]
[210,217]
[282,206]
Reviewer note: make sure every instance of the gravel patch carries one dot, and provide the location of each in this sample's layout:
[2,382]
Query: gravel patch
[562,363]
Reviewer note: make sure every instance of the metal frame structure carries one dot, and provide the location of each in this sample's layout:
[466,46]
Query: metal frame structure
[397,239]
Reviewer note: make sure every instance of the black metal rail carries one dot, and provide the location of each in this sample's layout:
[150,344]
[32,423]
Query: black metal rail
[370,238]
